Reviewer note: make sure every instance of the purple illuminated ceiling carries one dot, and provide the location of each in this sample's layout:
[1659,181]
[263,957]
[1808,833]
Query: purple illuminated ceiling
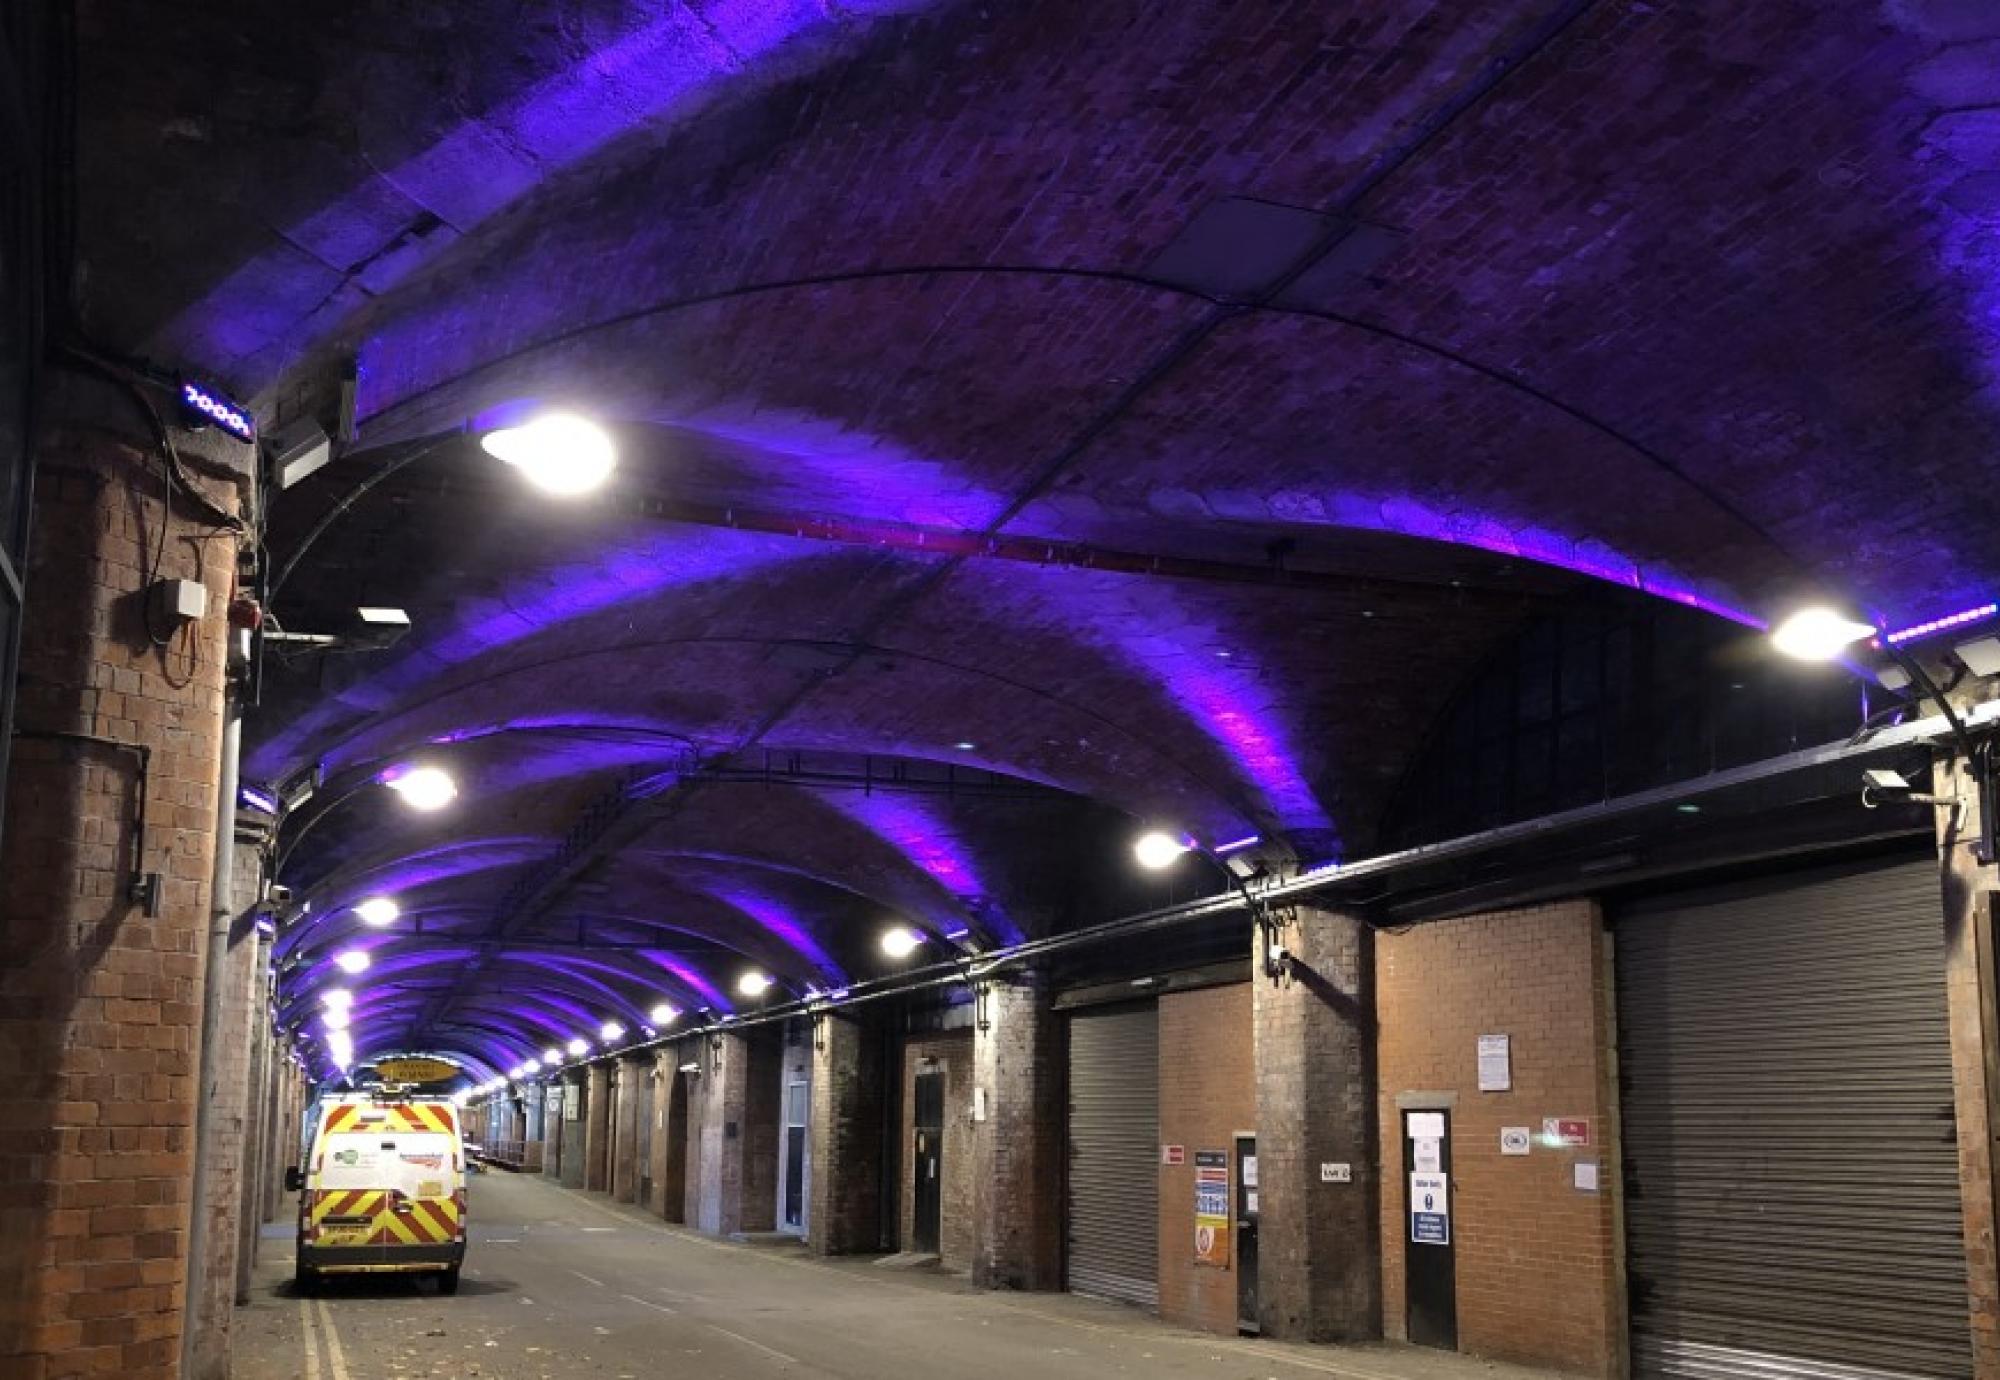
[933,397]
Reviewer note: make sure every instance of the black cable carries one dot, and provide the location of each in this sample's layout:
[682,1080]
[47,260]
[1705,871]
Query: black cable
[353,496]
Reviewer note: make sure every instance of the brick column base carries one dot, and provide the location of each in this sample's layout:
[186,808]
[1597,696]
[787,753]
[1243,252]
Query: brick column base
[1017,1148]
[846,1134]
[1319,1244]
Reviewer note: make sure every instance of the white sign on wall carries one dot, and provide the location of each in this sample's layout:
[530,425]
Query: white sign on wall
[1516,1140]
[1430,1209]
[1496,1065]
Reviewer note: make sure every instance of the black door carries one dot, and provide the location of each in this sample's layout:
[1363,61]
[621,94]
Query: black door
[1246,1233]
[928,1162]
[1430,1273]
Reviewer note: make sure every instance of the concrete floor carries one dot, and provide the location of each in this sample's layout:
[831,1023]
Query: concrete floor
[558,1285]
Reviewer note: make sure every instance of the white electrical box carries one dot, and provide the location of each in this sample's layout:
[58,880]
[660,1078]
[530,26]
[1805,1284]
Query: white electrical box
[180,601]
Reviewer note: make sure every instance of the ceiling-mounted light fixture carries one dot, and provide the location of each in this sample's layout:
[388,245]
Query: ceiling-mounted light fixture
[336,999]
[578,1048]
[1818,634]
[351,961]
[663,1014]
[558,452]
[753,984]
[378,912]
[611,1032]
[422,788]
[335,1018]
[552,1056]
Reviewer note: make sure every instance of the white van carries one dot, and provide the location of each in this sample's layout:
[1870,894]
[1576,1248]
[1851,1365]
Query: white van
[383,1189]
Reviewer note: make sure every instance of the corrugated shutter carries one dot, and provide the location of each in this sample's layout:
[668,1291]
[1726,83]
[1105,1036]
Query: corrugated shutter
[1114,1138]
[1791,1169]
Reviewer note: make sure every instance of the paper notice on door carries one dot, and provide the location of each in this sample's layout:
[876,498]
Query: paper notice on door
[1428,1157]
[1425,1125]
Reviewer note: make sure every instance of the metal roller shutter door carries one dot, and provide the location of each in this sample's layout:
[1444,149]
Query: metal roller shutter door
[1791,1167]
[1114,1138]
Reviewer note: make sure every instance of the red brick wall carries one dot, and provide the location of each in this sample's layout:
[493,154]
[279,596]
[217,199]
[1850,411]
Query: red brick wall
[954,1052]
[1208,1093]
[100,1007]
[1539,1278]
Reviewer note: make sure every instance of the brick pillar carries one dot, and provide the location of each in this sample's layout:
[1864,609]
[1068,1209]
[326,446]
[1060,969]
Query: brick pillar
[100,1004]
[239,970]
[631,1074]
[1017,1148]
[846,1134]
[1319,1244]
[1970,994]
[759,1144]
[724,1083]
[597,1129]
[669,1126]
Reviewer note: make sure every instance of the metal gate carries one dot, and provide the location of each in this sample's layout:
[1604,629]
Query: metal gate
[1114,1140]
[1791,1167]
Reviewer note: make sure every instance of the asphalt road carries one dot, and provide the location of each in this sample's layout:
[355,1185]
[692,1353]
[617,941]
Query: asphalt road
[558,1284]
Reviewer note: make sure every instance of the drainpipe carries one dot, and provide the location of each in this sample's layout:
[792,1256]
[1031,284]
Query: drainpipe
[221,918]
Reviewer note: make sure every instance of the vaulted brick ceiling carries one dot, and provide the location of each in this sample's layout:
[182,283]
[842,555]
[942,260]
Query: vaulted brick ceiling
[1447,309]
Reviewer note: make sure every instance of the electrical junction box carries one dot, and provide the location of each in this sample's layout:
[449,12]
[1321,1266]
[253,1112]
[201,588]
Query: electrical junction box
[180,601]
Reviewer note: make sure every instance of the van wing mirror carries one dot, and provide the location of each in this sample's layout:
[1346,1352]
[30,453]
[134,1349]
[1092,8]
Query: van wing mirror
[295,1180]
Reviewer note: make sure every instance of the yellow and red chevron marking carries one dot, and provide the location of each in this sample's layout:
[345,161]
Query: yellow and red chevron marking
[420,1222]
[342,1117]
[421,1116]
[394,1116]
[346,1202]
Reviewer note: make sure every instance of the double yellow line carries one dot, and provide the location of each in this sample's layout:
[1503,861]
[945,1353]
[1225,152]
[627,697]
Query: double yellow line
[309,1333]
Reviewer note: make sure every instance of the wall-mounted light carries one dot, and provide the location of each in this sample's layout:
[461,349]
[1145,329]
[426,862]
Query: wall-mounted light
[422,788]
[901,941]
[208,406]
[1818,634]
[558,452]
[378,912]
[1157,849]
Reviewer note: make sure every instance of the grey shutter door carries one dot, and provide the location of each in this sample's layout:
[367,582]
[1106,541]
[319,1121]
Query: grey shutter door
[1114,1150]
[1791,1166]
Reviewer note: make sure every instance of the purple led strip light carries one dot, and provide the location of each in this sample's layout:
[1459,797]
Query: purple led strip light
[1936,625]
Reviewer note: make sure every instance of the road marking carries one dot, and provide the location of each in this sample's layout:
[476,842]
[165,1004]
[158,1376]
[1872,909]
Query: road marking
[597,1283]
[648,1303]
[767,1350]
[597,1229]
[335,1358]
[310,1336]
